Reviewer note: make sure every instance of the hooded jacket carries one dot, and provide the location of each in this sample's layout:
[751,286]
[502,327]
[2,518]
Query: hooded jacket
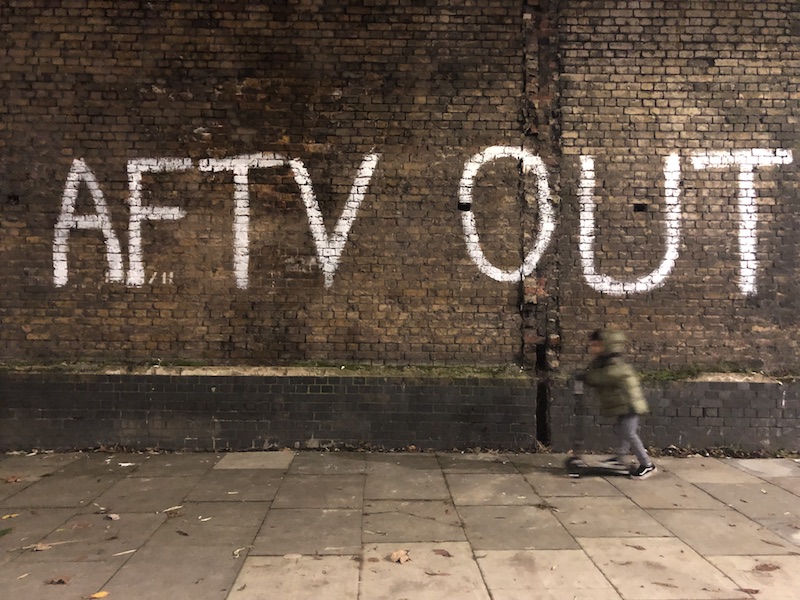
[614,381]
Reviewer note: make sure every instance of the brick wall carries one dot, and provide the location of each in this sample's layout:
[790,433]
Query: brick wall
[247,183]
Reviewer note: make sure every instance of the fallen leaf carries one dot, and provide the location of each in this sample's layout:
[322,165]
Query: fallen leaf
[238,551]
[666,585]
[373,560]
[635,547]
[23,576]
[98,595]
[204,519]
[444,553]
[12,479]
[400,556]
[435,574]
[183,533]
[749,591]
[293,556]
[11,516]
[112,517]
[125,552]
[58,581]
[41,547]
[766,567]
[172,508]
[127,464]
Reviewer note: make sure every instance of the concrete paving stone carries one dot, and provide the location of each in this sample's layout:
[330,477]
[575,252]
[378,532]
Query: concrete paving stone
[386,481]
[700,469]
[103,464]
[298,578]
[786,526]
[605,517]
[92,537]
[25,526]
[768,467]
[14,485]
[490,489]
[309,531]
[514,528]
[557,483]
[382,461]
[176,465]
[484,462]
[537,461]
[756,500]
[236,485]
[62,491]
[320,491]
[146,494]
[721,532]
[666,490]
[36,465]
[659,569]
[193,573]
[544,575]
[435,571]
[27,579]
[279,460]
[766,577]
[790,484]
[393,521]
[207,523]
[328,463]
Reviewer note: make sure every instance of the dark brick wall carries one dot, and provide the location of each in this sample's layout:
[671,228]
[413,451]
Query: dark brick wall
[64,411]
[738,415]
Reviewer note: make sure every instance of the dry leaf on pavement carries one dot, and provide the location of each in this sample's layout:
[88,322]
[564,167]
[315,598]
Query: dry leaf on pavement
[400,556]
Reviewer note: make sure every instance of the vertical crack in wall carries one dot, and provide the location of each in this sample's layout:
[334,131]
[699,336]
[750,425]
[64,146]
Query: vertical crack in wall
[539,302]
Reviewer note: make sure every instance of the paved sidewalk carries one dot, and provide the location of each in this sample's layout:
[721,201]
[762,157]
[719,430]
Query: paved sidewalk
[314,525]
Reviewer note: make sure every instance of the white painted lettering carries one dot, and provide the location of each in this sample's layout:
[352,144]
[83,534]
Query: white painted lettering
[68,220]
[139,213]
[530,163]
[604,283]
[747,161]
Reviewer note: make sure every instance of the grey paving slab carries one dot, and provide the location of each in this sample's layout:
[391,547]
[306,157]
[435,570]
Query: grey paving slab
[56,580]
[697,469]
[768,467]
[487,462]
[411,521]
[62,491]
[237,485]
[102,464]
[146,494]
[786,526]
[14,484]
[544,575]
[309,531]
[557,483]
[514,528]
[666,490]
[490,489]
[91,537]
[381,461]
[765,577]
[790,484]
[278,460]
[722,532]
[419,479]
[321,491]
[193,573]
[35,465]
[328,463]
[176,465]
[208,523]
[605,517]
[22,527]
[659,569]
[435,571]
[756,500]
[298,578]
[537,461]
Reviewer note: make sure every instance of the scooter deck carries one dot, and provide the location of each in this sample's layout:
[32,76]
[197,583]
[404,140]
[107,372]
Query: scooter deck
[578,467]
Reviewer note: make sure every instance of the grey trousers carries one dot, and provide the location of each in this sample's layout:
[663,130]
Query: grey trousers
[626,429]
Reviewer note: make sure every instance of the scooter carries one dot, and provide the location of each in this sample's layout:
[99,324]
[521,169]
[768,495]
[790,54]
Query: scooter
[577,465]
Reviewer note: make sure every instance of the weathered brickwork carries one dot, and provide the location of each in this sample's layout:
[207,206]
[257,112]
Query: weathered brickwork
[414,182]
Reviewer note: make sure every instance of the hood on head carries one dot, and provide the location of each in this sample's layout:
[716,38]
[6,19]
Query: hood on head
[613,341]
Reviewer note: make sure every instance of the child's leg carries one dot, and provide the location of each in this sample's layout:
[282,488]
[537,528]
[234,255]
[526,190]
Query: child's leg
[627,429]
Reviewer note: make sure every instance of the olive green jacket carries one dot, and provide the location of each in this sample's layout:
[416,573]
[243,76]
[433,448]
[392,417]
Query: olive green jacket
[616,385]
[614,381]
